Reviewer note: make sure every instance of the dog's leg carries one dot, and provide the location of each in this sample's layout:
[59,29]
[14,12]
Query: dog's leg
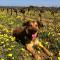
[45,49]
[30,48]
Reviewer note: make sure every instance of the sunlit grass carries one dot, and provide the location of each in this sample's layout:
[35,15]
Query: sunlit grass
[10,49]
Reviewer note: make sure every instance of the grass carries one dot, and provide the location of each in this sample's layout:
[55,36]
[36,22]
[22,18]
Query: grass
[11,50]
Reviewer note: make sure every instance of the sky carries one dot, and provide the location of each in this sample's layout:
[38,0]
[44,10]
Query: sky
[55,3]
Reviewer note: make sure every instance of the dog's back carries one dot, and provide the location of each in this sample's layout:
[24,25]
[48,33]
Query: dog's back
[20,35]
[16,32]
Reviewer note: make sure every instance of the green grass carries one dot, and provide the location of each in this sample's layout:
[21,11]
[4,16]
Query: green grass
[11,50]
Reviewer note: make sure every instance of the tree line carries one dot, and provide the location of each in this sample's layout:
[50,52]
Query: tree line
[53,10]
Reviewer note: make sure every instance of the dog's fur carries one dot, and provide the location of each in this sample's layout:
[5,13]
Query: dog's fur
[25,36]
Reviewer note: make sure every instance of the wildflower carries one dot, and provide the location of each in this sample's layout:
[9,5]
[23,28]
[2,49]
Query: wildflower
[27,54]
[58,33]
[12,46]
[7,44]
[49,33]
[10,54]
[58,58]
[52,34]
[5,35]
[46,43]
[2,42]
[59,53]
[12,57]
[2,58]
[1,35]
[57,39]
[12,38]
[22,49]
[9,49]
[7,40]
[18,17]
[4,45]
[39,52]
[30,54]
[40,44]
[6,30]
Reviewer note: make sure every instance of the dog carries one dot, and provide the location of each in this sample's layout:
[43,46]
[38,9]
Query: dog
[28,36]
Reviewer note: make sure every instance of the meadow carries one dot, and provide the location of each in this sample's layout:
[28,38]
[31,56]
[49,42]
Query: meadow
[49,35]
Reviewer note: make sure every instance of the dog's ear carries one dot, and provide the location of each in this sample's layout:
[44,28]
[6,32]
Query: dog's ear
[40,24]
[26,24]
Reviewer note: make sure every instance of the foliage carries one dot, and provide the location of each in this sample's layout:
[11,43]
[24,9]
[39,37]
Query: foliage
[11,50]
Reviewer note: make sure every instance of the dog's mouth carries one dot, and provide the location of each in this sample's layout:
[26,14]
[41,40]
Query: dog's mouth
[32,33]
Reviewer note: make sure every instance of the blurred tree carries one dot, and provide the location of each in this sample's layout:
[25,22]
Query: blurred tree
[22,11]
[2,9]
[40,14]
[53,11]
[15,10]
[7,10]
[11,11]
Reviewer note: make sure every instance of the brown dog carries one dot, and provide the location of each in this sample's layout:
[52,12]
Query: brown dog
[29,37]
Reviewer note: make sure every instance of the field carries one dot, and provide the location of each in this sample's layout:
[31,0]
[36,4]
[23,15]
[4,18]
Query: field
[49,35]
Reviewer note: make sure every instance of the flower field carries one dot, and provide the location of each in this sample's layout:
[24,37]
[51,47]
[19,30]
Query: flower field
[49,35]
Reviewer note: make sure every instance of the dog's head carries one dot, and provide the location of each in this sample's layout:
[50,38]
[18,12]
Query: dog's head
[32,27]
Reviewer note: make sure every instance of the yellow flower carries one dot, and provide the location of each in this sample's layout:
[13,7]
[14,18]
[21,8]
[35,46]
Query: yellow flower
[52,34]
[9,49]
[27,54]
[49,33]
[30,54]
[12,57]
[18,17]
[58,58]
[22,49]
[4,45]
[2,42]
[58,33]
[7,44]
[59,53]
[6,30]
[57,39]
[10,54]
[7,40]
[39,52]
[5,35]
[1,35]
[46,43]
[12,46]
[12,38]
[2,59]
[40,44]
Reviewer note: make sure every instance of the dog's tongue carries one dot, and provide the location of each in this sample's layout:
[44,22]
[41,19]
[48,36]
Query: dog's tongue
[33,36]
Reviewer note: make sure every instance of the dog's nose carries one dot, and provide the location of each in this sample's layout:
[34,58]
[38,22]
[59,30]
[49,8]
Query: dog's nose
[35,28]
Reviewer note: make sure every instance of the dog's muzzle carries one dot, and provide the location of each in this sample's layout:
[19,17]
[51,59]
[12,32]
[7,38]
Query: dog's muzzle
[32,33]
